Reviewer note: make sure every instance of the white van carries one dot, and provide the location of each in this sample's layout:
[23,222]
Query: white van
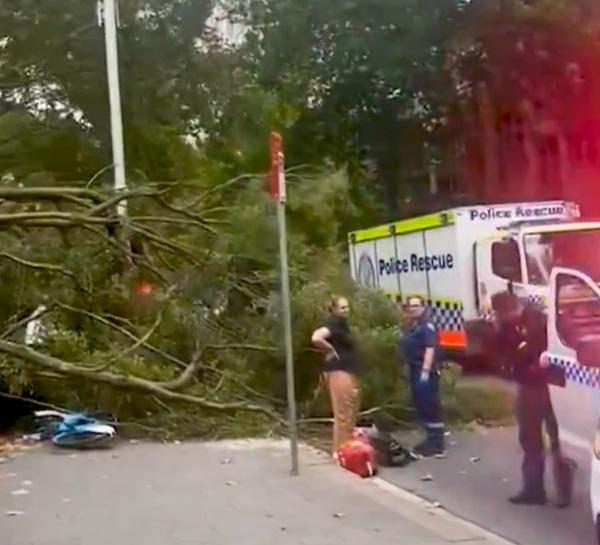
[574,348]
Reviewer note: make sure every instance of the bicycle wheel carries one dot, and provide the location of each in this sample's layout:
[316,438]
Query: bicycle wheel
[82,440]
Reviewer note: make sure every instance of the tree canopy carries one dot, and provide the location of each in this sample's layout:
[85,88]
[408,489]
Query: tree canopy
[388,108]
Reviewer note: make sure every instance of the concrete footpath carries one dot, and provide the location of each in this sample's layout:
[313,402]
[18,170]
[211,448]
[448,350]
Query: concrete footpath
[225,493]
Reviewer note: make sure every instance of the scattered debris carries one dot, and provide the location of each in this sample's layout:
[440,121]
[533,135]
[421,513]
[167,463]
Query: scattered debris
[453,443]
[31,438]
[26,483]
[177,442]
[14,513]
[436,505]
[269,516]
[448,433]
[20,492]
[115,456]
[427,478]
[339,515]
[11,448]
[133,441]
[66,500]
[231,483]
[441,456]
[73,455]
[475,459]
[11,475]
[463,472]
[283,529]
[226,462]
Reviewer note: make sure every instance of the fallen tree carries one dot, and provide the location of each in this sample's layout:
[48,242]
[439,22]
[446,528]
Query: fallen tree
[170,317]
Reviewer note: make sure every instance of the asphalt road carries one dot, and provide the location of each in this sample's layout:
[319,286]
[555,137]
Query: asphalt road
[478,490]
[209,494]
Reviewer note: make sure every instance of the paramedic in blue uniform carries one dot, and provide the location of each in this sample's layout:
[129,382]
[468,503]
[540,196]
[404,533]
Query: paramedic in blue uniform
[418,346]
[521,340]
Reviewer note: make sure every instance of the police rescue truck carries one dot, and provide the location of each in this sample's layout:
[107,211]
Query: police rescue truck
[458,258]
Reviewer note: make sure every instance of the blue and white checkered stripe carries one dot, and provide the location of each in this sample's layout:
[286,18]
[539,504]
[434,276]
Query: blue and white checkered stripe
[537,300]
[446,316]
[574,372]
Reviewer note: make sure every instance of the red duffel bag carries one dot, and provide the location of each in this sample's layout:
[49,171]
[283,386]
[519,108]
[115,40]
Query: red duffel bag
[358,457]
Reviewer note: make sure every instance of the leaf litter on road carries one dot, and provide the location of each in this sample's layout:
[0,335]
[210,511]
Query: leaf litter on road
[20,492]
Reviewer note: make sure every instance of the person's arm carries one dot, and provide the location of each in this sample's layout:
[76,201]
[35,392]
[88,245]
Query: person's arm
[320,340]
[429,355]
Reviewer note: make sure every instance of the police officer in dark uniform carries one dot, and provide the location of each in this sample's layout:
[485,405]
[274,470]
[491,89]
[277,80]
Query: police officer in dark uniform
[418,346]
[521,339]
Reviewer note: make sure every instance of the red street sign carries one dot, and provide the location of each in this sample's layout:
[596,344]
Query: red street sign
[276,176]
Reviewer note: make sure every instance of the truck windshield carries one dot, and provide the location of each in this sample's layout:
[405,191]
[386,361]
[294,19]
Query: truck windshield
[572,249]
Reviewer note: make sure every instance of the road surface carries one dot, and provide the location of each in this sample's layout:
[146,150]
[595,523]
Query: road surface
[215,494]
[481,471]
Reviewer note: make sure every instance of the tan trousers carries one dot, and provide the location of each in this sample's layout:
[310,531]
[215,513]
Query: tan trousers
[343,389]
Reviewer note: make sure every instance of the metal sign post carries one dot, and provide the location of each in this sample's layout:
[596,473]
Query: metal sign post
[278,192]
[108,16]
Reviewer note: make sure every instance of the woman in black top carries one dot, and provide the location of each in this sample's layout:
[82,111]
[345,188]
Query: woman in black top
[335,340]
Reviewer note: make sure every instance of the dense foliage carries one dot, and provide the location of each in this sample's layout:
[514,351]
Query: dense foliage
[387,108]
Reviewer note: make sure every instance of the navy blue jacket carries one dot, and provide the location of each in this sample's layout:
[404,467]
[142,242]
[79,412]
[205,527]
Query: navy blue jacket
[415,338]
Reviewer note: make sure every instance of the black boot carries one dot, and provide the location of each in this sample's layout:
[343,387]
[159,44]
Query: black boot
[528,498]
[429,449]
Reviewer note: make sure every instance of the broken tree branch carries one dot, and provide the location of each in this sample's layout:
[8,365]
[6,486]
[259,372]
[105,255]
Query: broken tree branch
[186,378]
[33,357]
[112,202]
[44,267]
[125,333]
[51,219]
[22,323]
[48,193]
[132,348]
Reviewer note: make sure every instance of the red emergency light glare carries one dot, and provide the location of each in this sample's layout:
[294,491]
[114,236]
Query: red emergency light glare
[144,288]
[276,152]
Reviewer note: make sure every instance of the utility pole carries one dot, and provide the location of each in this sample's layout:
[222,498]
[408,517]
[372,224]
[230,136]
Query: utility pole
[108,17]
[278,192]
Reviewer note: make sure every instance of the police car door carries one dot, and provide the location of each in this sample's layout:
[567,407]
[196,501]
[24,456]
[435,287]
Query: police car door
[574,349]
[498,265]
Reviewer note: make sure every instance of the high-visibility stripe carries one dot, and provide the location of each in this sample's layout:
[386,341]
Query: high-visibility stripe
[430,221]
[434,425]
[406,296]
[452,339]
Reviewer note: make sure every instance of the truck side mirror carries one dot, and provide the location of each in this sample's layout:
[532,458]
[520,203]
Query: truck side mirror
[506,260]
[588,352]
